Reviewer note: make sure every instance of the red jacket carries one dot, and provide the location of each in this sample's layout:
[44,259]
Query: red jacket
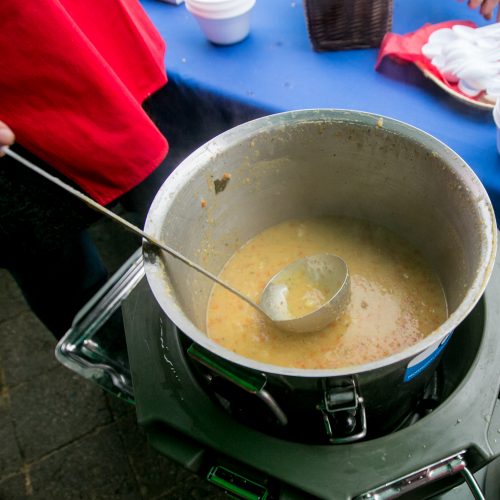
[73,75]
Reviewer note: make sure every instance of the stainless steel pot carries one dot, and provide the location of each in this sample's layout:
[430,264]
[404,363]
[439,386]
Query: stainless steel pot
[323,162]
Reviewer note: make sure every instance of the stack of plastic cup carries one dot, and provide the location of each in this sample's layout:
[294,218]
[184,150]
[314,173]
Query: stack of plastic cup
[223,22]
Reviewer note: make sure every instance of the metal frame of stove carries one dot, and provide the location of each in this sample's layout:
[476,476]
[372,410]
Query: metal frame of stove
[461,436]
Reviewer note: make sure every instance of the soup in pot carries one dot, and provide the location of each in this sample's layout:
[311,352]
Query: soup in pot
[396,297]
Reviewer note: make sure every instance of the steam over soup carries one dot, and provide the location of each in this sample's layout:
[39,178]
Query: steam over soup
[396,298]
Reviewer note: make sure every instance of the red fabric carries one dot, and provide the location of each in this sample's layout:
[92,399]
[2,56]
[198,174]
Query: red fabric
[73,75]
[408,48]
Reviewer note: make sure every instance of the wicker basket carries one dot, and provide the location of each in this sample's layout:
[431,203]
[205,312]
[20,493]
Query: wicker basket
[347,24]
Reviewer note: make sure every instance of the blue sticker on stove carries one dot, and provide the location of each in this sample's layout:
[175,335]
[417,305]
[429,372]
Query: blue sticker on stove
[418,364]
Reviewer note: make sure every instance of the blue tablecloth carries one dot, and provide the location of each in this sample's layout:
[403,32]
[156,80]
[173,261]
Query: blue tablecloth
[275,69]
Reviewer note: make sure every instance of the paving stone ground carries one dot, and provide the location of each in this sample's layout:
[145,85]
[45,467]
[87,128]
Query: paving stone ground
[62,437]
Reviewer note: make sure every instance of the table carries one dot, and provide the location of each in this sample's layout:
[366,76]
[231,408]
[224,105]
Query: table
[275,69]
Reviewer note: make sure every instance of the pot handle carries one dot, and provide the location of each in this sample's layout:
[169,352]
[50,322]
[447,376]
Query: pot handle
[253,383]
[80,349]
[433,472]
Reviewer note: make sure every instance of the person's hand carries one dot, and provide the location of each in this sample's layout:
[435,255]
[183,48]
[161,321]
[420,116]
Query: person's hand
[486,7]
[6,136]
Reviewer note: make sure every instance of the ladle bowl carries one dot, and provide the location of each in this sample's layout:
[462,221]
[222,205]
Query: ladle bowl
[326,273]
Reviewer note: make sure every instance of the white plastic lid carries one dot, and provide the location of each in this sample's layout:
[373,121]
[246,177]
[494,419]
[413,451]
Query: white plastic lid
[219,9]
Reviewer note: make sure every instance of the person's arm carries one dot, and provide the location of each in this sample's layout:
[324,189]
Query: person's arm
[6,136]
[486,7]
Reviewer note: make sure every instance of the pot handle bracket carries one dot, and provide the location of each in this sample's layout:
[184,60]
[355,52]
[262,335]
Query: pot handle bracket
[82,349]
[343,411]
[254,383]
[433,472]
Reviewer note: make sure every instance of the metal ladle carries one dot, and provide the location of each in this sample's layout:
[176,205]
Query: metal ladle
[325,270]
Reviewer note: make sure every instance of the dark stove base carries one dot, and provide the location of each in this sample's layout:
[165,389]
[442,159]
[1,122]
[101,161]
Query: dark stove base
[185,423]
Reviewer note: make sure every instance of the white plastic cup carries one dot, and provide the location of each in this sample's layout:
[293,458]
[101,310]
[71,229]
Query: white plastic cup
[223,22]
[496,117]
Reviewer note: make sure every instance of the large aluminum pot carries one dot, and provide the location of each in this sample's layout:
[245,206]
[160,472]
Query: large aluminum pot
[324,162]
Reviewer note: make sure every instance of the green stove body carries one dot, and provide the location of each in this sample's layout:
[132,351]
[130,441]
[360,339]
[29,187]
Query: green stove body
[188,419]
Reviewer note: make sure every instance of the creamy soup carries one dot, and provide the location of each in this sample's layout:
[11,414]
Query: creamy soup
[396,298]
[301,291]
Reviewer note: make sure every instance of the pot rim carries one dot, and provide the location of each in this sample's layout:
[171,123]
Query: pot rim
[166,196]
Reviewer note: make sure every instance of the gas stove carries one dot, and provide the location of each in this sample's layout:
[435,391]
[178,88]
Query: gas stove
[216,423]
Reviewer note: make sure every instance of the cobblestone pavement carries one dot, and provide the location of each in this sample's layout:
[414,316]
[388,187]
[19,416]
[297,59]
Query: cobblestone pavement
[62,437]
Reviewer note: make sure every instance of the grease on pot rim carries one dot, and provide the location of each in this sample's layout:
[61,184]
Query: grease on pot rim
[221,184]
[396,299]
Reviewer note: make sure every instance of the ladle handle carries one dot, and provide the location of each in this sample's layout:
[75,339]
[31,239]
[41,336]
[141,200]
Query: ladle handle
[127,225]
